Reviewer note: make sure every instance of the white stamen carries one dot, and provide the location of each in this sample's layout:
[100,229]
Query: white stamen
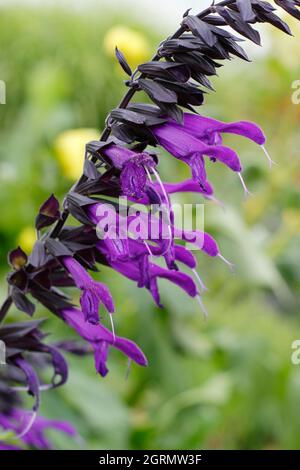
[168,204]
[202,306]
[201,283]
[231,265]
[246,190]
[161,185]
[148,248]
[112,326]
[42,388]
[152,254]
[216,201]
[148,174]
[167,200]
[271,162]
[27,427]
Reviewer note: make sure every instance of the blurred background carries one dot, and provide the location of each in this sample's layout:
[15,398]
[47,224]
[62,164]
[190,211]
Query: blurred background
[227,383]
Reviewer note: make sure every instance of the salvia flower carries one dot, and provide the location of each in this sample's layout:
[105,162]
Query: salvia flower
[210,130]
[101,339]
[179,140]
[191,150]
[93,293]
[134,259]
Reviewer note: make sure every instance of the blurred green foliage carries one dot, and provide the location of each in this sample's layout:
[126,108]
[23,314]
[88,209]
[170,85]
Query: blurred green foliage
[224,383]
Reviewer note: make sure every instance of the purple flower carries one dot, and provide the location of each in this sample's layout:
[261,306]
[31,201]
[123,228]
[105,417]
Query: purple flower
[119,249]
[138,268]
[210,130]
[190,149]
[93,293]
[134,258]
[133,168]
[185,186]
[31,432]
[101,339]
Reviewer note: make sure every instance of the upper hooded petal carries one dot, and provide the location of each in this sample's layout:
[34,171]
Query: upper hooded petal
[182,280]
[202,127]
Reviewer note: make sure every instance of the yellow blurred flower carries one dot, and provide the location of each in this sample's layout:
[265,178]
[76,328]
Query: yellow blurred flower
[26,239]
[133,44]
[69,147]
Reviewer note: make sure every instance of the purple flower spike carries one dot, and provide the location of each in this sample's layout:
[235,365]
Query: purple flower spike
[101,339]
[94,293]
[144,245]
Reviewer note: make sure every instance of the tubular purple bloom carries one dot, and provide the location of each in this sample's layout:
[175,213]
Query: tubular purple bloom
[135,249]
[101,355]
[184,146]
[210,130]
[146,274]
[119,249]
[183,255]
[94,293]
[31,378]
[202,240]
[101,339]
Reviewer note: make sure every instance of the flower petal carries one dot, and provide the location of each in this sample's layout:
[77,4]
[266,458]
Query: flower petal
[203,127]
